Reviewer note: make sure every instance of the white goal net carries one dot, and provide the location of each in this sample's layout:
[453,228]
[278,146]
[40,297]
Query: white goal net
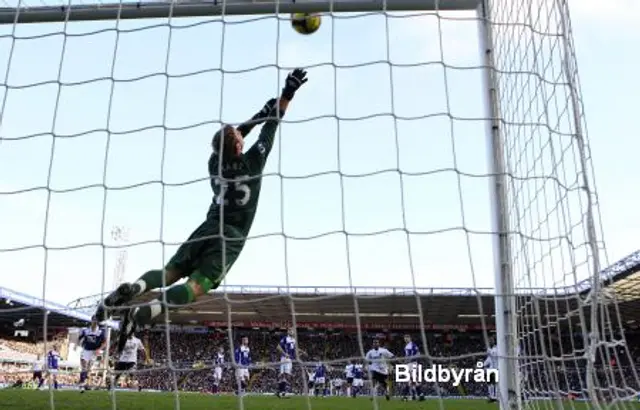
[442,148]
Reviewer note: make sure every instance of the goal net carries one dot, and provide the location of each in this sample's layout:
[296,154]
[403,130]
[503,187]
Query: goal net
[433,155]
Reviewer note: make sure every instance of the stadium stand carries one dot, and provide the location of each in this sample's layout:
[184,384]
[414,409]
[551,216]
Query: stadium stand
[21,334]
[327,328]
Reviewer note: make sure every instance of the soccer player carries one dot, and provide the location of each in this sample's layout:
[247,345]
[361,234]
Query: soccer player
[320,380]
[287,349]
[491,362]
[242,357]
[37,372]
[128,358]
[348,374]
[311,375]
[218,362]
[358,380]
[92,339]
[337,384]
[236,182]
[411,354]
[378,368]
[53,365]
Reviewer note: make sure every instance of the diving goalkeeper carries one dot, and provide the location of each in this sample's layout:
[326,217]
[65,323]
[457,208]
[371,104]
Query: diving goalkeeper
[215,245]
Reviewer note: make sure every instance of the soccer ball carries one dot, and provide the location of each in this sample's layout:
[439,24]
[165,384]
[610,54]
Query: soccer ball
[305,23]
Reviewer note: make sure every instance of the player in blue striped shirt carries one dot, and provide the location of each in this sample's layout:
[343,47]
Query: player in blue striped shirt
[92,339]
[358,379]
[411,354]
[288,350]
[53,365]
[320,380]
[242,356]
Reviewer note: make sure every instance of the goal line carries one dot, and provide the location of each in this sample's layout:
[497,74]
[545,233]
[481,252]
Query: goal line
[140,10]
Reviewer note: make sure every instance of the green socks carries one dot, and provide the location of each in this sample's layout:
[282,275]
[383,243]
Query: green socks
[176,295]
[149,281]
[179,295]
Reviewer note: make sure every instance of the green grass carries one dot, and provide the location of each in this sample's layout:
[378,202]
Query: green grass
[99,400]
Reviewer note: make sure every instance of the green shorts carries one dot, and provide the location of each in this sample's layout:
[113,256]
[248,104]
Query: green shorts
[204,249]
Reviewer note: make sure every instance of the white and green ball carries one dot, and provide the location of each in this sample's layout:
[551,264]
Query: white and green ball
[306,23]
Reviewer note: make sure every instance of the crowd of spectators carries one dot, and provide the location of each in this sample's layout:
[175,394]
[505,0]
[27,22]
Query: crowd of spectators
[192,355]
[21,346]
[21,374]
[28,346]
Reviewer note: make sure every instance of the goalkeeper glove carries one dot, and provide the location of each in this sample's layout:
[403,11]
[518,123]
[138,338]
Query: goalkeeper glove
[294,81]
[266,111]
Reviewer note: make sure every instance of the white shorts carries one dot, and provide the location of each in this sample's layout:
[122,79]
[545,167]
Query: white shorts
[286,366]
[358,382]
[242,374]
[319,380]
[88,355]
[217,373]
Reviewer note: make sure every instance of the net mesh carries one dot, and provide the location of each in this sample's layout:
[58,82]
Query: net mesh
[570,346]
[378,183]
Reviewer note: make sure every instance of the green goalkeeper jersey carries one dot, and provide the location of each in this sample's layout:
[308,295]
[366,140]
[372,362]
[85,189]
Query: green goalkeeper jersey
[236,194]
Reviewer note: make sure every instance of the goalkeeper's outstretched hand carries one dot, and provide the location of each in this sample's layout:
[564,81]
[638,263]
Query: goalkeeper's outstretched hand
[267,110]
[294,81]
[260,117]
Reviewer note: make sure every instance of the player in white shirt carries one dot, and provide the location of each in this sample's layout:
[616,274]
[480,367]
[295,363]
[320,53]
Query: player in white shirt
[37,371]
[218,362]
[311,376]
[378,368]
[491,362]
[348,375]
[128,358]
[336,385]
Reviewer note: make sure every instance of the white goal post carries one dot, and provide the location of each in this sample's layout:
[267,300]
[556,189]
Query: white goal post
[139,10]
[513,232]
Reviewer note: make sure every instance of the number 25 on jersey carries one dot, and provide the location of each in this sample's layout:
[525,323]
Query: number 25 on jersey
[238,186]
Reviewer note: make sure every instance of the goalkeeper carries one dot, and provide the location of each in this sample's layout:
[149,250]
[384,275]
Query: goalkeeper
[215,245]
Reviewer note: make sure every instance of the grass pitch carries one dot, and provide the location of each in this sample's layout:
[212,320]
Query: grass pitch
[101,400]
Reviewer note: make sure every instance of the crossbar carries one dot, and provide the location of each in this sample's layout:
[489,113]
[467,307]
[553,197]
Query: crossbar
[147,10]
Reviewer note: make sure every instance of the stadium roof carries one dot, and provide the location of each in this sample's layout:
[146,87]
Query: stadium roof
[337,307]
[380,307]
[373,307]
[16,306]
[623,278]
[385,307]
[398,311]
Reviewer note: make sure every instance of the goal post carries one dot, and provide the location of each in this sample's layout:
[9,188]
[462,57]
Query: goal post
[505,303]
[146,10]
